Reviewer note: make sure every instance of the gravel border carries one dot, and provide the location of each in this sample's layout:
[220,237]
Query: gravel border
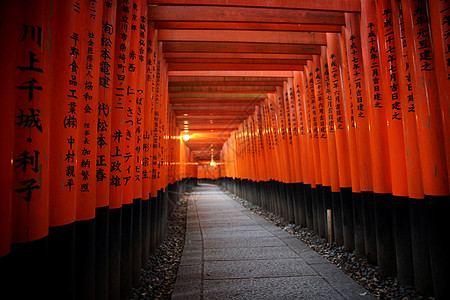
[358,269]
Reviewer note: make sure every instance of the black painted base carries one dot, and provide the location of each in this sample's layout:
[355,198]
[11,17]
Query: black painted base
[101,252]
[308,207]
[321,224]
[145,232]
[438,208]
[402,234]
[85,259]
[387,265]
[115,233]
[337,219]
[347,219]
[153,224]
[25,271]
[327,204]
[300,191]
[360,249]
[61,251]
[136,242]
[126,250]
[370,239]
[314,210]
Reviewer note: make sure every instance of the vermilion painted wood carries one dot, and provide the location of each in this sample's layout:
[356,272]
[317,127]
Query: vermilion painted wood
[239,47]
[357,78]
[86,187]
[332,5]
[264,56]
[219,89]
[238,61]
[275,37]
[231,67]
[243,14]
[413,169]
[247,26]
[232,73]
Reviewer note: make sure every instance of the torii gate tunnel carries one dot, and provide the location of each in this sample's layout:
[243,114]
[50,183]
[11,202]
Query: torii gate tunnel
[111,108]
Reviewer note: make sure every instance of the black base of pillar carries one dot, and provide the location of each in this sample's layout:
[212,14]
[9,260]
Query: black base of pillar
[126,251]
[370,237]
[314,210]
[358,222]
[438,208]
[85,259]
[136,242]
[402,234]
[326,204]
[25,271]
[300,191]
[337,219]
[420,247]
[101,252]
[385,235]
[290,202]
[145,232]
[347,219]
[61,267]
[309,207]
[115,232]
[153,224]
[321,223]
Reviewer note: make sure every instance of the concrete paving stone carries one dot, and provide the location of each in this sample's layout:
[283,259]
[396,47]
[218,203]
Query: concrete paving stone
[305,287]
[191,257]
[185,291]
[312,257]
[278,232]
[257,268]
[296,245]
[193,236]
[249,253]
[236,234]
[224,217]
[189,273]
[248,227]
[341,282]
[222,223]
[242,242]
[189,244]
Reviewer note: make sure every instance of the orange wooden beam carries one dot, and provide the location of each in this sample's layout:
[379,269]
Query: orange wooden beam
[232,73]
[329,5]
[232,67]
[247,26]
[231,84]
[273,37]
[243,14]
[238,61]
[247,96]
[223,47]
[199,80]
[220,88]
[265,56]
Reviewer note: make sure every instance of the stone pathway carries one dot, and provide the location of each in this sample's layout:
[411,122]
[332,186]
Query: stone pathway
[231,253]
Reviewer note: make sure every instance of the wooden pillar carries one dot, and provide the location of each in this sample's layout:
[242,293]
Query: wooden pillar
[430,133]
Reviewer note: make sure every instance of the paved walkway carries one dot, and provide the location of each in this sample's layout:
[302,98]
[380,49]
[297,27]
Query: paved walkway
[231,253]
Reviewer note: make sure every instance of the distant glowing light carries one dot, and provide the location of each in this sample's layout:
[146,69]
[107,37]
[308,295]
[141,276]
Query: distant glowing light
[186,137]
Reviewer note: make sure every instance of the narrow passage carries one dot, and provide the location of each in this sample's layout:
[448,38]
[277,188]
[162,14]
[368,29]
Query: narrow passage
[231,253]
